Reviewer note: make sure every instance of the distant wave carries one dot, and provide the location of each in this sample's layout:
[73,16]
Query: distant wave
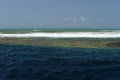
[102,34]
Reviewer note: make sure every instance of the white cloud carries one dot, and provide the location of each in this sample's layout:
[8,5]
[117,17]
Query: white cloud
[83,19]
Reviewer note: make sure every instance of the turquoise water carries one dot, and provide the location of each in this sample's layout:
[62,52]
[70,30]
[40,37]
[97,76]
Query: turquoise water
[53,30]
[56,63]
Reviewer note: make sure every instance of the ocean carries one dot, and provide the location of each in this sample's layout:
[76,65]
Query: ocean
[61,33]
[23,62]
[19,62]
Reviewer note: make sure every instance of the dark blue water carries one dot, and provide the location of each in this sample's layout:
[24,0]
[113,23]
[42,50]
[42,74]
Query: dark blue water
[50,63]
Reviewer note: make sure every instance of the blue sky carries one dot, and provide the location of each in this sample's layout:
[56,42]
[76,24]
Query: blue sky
[60,13]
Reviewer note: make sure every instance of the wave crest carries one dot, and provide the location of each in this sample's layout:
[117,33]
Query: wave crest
[63,35]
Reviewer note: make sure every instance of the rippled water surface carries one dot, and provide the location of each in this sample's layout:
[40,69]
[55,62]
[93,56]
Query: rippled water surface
[50,63]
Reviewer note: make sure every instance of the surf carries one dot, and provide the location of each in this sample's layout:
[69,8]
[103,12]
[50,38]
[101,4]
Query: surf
[103,34]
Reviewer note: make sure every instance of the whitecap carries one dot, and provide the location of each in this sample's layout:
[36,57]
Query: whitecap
[64,35]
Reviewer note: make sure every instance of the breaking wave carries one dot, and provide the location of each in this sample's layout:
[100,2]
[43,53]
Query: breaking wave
[102,34]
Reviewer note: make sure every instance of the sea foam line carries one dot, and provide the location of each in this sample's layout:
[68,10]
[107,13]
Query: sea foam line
[64,35]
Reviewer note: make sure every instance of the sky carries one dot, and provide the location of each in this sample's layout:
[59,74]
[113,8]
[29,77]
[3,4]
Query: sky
[59,13]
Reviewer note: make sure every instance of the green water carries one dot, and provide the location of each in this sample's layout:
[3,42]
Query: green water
[54,30]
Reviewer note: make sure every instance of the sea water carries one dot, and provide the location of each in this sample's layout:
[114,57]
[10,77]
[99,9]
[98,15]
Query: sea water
[61,33]
[56,63]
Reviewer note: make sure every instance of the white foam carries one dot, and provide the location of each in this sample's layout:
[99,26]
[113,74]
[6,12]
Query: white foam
[64,35]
